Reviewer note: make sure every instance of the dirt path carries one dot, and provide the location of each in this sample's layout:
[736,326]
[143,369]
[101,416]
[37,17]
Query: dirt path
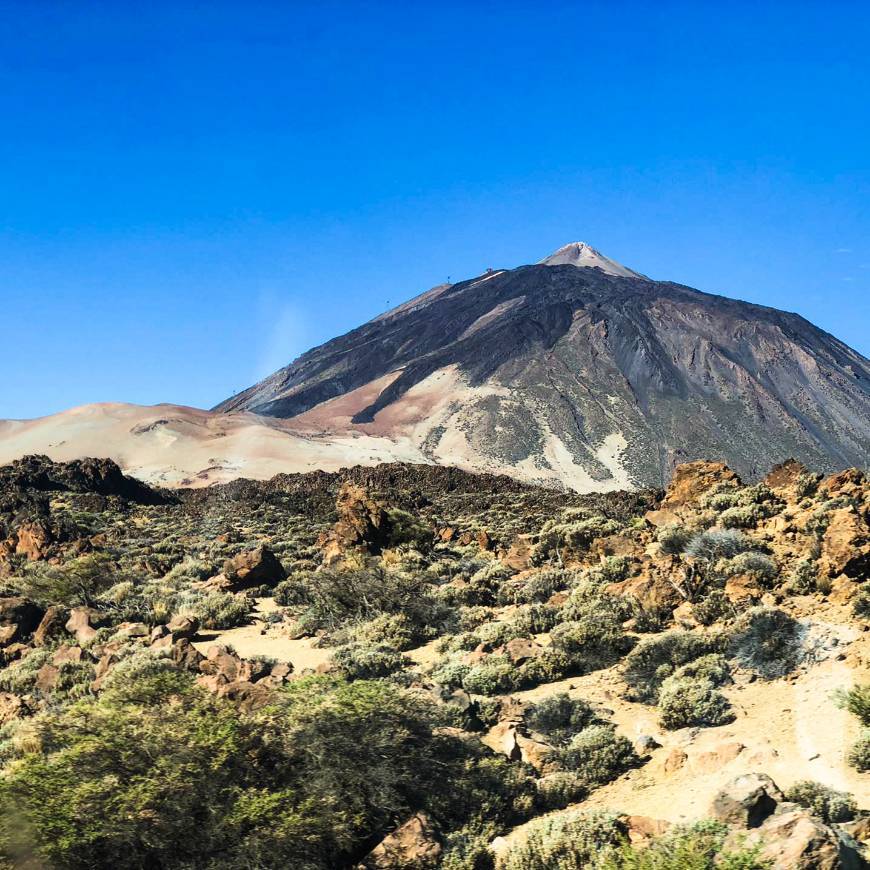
[262,639]
[790,729]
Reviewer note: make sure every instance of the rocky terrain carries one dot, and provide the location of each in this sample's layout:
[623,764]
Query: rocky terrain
[417,667]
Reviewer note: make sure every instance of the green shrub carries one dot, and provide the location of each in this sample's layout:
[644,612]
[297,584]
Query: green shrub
[359,661]
[561,789]
[767,641]
[534,619]
[714,544]
[713,668]
[692,701]
[558,717]
[715,605]
[567,841]
[859,753]
[79,582]
[493,676]
[157,772]
[804,578]
[861,604]
[827,803]
[598,754]
[674,539]
[700,846]
[857,702]
[656,658]
[216,610]
[758,565]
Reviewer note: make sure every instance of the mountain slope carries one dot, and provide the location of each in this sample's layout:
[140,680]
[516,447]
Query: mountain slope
[591,375]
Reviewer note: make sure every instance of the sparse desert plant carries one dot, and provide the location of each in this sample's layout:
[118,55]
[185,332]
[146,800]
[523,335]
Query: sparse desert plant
[560,789]
[692,701]
[558,718]
[77,582]
[758,565]
[494,675]
[359,661]
[701,846]
[567,841]
[767,641]
[827,803]
[674,538]
[598,754]
[656,658]
[804,577]
[715,605]
[714,544]
[216,610]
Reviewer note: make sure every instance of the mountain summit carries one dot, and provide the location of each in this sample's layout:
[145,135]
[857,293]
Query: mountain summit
[598,378]
[581,254]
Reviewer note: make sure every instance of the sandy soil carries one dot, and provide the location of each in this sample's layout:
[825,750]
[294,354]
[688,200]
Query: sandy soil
[789,728]
[261,639]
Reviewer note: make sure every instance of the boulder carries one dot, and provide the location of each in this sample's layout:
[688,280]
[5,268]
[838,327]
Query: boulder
[185,655]
[82,622]
[746,801]
[33,540]
[850,482]
[51,626]
[66,653]
[182,627]
[692,479]
[534,752]
[221,663]
[19,618]
[783,478]
[363,524]
[502,738]
[413,845]
[521,649]
[12,707]
[256,567]
[642,829]
[46,678]
[796,840]
[743,590]
[248,696]
[846,545]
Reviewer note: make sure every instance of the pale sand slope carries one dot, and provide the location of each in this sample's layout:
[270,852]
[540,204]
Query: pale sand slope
[173,445]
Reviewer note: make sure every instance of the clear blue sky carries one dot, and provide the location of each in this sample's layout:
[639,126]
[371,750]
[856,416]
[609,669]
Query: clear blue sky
[191,194]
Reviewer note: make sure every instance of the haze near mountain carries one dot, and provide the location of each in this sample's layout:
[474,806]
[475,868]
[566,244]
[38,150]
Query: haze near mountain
[581,371]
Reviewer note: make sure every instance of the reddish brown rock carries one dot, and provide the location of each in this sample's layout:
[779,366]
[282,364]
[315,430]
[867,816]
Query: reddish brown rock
[851,482]
[253,568]
[692,479]
[846,545]
[12,707]
[33,540]
[521,649]
[743,590]
[746,801]
[51,627]
[783,478]
[46,678]
[19,618]
[182,627]
[413,846]
[186,655]
[82,622]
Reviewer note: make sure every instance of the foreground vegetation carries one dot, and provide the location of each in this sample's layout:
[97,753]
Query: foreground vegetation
[127,739]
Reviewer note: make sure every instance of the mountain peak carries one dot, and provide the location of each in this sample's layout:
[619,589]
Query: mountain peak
[581,254]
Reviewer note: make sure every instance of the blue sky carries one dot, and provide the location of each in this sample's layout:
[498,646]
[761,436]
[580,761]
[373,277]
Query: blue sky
[191,194]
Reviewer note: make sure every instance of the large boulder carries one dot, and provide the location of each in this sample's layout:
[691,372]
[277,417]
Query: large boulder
[51,626]
[83,623]
[413,845]
[746,801]
[258,567]
[19,618]
[363,524]
[33,540]
[692,479]
[796,840]
[846,545]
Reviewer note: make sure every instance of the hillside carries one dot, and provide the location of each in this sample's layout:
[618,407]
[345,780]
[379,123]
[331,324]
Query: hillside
[581,371]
